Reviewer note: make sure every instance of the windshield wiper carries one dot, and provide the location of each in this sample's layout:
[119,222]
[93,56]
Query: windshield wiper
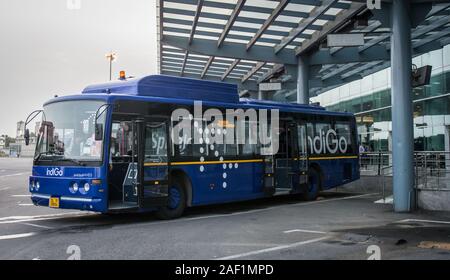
[44,153]
[74,161]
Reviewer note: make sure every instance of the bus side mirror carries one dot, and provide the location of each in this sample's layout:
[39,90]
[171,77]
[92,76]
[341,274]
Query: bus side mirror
[27,137]
[98,132]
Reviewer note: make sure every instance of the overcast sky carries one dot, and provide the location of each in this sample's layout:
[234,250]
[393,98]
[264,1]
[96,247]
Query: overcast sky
[47,49]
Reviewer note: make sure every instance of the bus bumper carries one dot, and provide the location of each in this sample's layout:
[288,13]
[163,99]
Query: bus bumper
[66,202]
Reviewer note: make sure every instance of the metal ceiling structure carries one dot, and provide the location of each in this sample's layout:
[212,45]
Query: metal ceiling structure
[251,41]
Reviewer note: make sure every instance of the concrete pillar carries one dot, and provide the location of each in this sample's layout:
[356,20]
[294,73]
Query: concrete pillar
[303,80]
[402,115]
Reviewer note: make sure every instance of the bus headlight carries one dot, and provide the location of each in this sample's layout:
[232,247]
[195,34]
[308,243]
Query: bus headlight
[73,188]
[37,186]
[85,189]
[31,185]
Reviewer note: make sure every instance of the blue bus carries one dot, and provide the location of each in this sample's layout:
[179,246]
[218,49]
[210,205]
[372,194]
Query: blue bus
[113,148]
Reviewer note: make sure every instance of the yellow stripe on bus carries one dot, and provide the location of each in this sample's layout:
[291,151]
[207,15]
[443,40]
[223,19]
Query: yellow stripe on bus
[217,162]
[238,161]
[328,158]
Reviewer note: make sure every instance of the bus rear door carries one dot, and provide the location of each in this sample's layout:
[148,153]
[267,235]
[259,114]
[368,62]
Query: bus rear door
[291,163]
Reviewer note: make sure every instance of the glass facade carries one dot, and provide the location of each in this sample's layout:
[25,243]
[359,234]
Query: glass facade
[370,100]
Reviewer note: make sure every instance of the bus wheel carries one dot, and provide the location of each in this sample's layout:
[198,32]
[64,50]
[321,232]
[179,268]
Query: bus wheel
[314,184]
[176,203]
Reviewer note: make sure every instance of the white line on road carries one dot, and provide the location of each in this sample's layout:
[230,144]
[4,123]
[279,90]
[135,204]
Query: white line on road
[305,231]
[4,189]
[25,204]
[423,221]
[17,174]
[21,219]
[38,226]
[282,247]
[21,195]
[15,236]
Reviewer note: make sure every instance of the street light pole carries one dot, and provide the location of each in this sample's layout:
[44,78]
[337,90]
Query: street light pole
[111,57]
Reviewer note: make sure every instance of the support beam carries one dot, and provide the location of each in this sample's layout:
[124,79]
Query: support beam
[275,69]
[183,66]
[402,114]
[207,65]
[252,71]
[329,27]
[268,22]
[348,55]
[231,50]
[195,21]
[230,22]
[304,24]
[228,71]
[303,80]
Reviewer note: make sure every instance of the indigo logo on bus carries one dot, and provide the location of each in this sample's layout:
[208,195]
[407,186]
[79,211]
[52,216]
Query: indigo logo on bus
[327,142]
[55,172]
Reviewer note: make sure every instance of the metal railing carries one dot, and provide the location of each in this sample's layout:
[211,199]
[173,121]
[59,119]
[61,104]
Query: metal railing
[432,168]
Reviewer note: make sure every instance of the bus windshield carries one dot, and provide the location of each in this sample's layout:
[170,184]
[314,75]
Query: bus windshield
[67,132]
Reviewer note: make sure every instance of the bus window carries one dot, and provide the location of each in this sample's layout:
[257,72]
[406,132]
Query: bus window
[188,146]
[251,130]
[343,131]
[155,143]
[121,139]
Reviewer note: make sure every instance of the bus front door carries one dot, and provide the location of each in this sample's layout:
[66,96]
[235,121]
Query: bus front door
[153,162]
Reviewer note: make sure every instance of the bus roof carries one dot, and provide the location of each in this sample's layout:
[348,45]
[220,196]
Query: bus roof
[187,89]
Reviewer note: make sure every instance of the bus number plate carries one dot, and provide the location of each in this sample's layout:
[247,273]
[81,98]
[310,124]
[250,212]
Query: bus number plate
[54,202]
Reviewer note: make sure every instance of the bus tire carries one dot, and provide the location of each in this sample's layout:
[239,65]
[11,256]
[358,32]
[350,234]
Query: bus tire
[176,204]
[314,185]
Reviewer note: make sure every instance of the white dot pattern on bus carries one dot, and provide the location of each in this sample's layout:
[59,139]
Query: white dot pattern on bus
[205,140]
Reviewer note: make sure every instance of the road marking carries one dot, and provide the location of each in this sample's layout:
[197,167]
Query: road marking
[282,247]
[387,200]
[424,221]
[4,189]
[15,236]
[38,226]
[21,219]
[21,195]
[305,231]
[25,204]
[16,174]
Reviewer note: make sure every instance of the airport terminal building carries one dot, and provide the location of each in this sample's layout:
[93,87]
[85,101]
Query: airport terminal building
[370,100]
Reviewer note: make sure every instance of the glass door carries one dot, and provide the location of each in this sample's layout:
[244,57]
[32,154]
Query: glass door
[153,162]
[302,154]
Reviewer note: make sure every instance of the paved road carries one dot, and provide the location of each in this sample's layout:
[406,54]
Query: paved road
[339,226]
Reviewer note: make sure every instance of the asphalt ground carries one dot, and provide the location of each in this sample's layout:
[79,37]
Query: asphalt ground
[337,226]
